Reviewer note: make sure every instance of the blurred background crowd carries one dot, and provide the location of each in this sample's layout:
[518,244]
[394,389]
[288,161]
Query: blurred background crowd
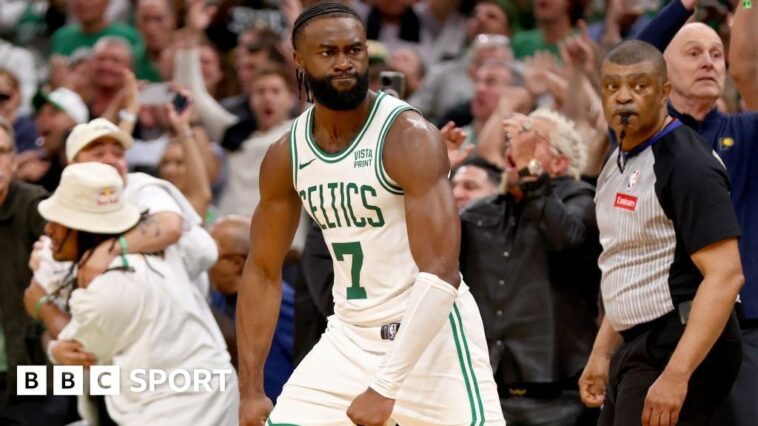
[205,87]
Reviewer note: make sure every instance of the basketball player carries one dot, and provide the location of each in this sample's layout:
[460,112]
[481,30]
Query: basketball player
[406,344]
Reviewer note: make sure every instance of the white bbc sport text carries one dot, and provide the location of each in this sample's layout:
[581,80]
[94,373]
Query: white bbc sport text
[146,380]
[106,380]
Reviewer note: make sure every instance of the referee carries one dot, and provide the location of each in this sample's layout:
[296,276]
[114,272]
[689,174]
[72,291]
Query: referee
[669,346]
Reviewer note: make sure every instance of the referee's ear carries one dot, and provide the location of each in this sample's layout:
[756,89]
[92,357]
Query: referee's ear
[666,91]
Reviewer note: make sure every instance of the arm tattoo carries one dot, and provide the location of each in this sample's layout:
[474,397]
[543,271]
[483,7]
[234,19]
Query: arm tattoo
[149,227]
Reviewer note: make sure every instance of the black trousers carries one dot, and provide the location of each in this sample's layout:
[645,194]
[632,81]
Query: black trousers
[741,406]
[644,355]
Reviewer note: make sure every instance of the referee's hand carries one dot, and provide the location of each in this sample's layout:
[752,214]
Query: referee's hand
[593,380]
[665,399]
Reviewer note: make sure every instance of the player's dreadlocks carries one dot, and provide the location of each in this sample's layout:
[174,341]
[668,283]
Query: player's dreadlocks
[325,9]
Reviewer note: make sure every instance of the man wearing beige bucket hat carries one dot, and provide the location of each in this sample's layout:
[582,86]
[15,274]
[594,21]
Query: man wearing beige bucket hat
[140,304]
[172,218]
[172,227]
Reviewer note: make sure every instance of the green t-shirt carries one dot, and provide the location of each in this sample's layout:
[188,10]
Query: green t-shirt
[145,69]
[527,43]
[69,38]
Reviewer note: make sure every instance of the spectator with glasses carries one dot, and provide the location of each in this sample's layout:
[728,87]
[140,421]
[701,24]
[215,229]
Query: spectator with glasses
[20,344]
[10,101]
[529,255]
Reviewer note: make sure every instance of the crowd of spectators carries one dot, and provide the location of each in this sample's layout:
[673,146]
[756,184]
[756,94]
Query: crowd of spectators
[184,97]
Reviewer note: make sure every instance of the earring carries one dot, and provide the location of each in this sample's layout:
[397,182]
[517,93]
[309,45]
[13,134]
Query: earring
[299,77]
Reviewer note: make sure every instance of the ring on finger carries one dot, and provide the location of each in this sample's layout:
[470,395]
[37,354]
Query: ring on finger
[526,126]
[508,136]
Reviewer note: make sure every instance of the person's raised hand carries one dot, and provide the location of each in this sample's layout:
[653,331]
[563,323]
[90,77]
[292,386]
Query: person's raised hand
[520,134]
[579,51]
[30,166]
[454,138]
[131,92]
[290,9]
[59,73]
[689,4]
[199,16]
[180,120]
[535,77]
[557,87]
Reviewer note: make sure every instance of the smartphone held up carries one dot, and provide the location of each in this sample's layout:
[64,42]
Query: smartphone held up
[162,94]
[393,83]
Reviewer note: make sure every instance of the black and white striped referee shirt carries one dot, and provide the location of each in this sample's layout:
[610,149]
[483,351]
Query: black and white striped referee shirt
[656,206]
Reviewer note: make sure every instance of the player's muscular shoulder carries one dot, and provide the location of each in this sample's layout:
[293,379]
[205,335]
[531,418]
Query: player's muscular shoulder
[276,169]
[411,131]
[279,151]
[414,151]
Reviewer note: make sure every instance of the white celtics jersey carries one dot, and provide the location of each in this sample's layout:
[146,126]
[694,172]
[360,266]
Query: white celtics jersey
[361,212]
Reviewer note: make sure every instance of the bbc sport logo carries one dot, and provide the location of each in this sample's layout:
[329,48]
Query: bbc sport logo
[106,380]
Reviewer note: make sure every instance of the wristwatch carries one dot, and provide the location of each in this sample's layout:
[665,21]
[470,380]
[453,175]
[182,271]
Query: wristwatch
[533,168]
[125,115]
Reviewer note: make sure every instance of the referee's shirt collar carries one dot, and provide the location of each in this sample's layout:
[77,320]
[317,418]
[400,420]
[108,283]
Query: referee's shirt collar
[624,156]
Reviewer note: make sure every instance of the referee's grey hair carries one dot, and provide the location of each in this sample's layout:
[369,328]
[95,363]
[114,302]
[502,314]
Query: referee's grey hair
[633,52]
[566,139]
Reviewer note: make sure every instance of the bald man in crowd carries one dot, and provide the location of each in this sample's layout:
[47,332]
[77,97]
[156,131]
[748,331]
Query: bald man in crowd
[696,62]
[232,236]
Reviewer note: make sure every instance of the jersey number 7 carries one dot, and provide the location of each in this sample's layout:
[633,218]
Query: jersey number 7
[352,249]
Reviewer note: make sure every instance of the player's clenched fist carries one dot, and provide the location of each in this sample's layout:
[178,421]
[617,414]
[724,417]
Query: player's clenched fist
[255,410]
[370,409]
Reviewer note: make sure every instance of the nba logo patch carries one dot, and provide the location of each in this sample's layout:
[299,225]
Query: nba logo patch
[632,182]
[389,331]
[725,143]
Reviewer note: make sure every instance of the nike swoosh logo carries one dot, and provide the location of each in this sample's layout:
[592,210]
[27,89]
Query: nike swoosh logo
[306,164]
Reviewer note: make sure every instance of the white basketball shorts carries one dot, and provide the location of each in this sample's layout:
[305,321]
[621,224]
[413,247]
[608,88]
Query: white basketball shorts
[452,383]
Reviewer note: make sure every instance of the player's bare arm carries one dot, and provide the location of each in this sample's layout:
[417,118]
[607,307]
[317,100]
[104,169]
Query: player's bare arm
[416,158]
[271,232]
[154,233]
